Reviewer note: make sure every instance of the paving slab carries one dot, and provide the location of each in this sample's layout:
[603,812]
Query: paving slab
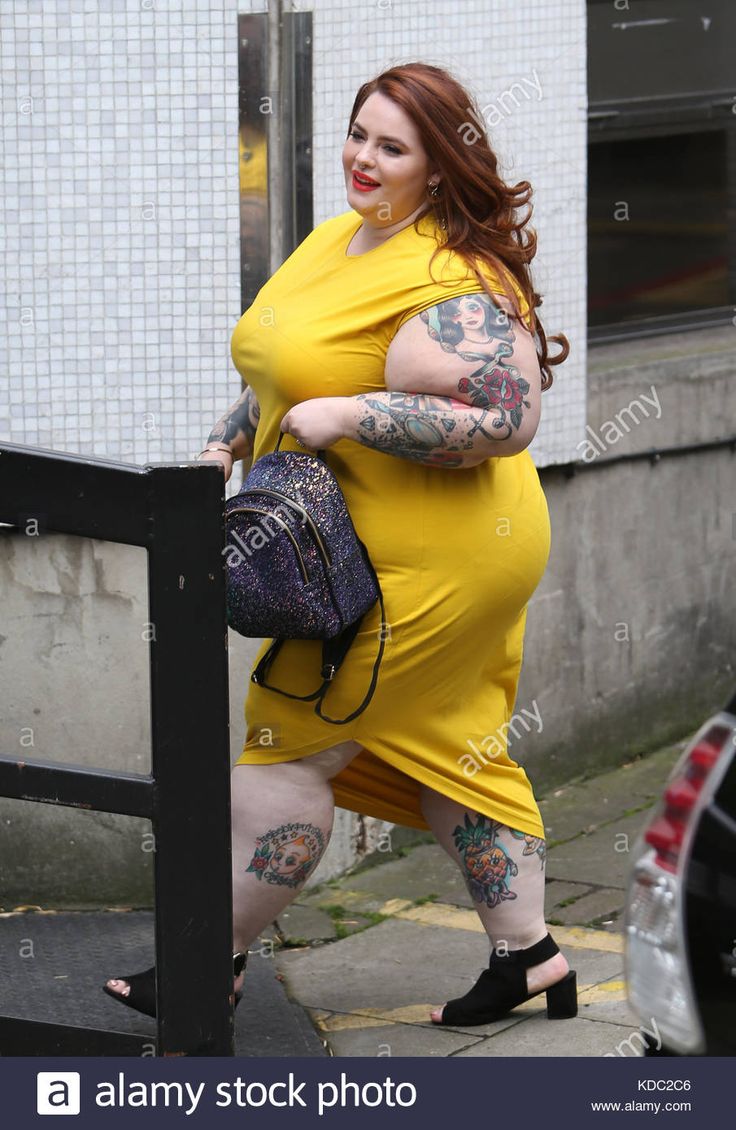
[608,1002]
[392,964]
[606,902]
[575,808]
[424,870]
[396,971]
[603,857]
[270,1023]
[397,1040]
[307,922]
[558,890]
[539,1036]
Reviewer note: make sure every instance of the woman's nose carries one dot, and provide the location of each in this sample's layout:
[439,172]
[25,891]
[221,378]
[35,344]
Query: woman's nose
[364,155]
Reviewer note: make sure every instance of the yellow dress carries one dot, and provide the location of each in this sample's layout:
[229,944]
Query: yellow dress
[458,552]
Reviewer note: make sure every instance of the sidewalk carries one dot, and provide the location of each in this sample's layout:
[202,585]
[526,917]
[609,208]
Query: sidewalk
[368,954]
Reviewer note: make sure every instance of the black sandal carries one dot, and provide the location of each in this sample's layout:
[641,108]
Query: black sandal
[502,986]
[142,995]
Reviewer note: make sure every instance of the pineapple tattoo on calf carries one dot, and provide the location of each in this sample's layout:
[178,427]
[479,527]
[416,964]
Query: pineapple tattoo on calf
[488,866]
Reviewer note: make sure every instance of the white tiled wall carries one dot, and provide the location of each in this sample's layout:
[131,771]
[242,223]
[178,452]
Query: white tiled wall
[119,189]
[119,196]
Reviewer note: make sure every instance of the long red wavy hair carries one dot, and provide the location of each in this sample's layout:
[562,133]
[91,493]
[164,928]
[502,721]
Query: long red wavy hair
[475,207]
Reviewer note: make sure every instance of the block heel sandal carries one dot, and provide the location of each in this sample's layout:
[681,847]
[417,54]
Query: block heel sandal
[502,986]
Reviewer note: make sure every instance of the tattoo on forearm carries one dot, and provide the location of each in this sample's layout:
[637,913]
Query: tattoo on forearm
[287,855]
[427,429]
[241,419]
[476,329]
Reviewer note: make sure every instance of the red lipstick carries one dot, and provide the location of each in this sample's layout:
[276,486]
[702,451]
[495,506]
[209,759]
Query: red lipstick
[363,183]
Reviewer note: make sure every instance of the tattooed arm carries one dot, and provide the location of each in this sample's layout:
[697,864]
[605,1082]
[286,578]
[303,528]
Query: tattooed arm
[463,384]
[238,425]
[437,430]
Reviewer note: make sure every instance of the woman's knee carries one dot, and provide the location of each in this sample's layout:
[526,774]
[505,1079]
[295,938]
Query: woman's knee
[329,762]
[313,768]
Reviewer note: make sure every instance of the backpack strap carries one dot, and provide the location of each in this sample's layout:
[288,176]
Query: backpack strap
[334,652]
[334,668]
[320,453]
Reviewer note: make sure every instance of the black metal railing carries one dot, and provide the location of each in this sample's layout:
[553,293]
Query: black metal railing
[176,513]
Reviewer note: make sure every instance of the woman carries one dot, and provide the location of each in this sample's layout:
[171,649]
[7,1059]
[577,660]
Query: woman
[394,337]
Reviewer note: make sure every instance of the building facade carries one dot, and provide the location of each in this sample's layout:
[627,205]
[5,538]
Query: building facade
[159,154]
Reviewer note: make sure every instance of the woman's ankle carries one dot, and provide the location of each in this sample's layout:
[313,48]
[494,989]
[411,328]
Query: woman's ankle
[547,973]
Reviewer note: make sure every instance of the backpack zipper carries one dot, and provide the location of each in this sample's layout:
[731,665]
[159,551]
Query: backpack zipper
[268,514]
[308,518]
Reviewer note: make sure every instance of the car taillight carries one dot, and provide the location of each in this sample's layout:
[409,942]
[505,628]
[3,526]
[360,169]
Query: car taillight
[657,973]
[667,831]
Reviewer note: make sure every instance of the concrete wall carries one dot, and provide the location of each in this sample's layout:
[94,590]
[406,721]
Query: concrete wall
[75,689]
[630,639]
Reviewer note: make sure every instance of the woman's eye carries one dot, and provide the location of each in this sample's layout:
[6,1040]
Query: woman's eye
[359,137]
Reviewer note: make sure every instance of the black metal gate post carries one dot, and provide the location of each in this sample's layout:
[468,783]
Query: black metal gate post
[191,760]
[177,513]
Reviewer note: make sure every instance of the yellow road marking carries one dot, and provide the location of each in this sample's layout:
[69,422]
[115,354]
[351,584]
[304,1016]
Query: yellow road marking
[394,906]
[580,937]
[376,1017]
[608,991]
[458,918]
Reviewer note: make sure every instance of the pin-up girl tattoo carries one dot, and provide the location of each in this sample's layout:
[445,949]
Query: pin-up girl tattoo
[471,324]
[476,329]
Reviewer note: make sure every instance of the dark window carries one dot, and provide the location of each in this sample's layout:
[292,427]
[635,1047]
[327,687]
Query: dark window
[661,166]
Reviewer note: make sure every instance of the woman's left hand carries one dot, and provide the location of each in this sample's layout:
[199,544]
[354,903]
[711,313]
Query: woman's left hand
[319,422]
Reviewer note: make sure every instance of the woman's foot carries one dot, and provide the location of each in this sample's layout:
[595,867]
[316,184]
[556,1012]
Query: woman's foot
[537,978]
[139,990]
[122,988]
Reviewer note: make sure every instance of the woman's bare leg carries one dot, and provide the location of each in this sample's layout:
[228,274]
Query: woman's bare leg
[504,872]
[282,817]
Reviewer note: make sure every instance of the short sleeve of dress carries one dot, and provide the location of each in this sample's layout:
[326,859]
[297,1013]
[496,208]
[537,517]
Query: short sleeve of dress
[452,277]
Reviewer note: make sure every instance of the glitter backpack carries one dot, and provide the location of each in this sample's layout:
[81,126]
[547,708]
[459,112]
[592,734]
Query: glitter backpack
[296,569]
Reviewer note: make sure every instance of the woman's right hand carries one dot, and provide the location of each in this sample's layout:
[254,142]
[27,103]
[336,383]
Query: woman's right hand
[222,457]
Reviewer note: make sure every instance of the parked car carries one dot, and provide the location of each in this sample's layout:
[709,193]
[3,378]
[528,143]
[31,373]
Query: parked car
[680,917]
